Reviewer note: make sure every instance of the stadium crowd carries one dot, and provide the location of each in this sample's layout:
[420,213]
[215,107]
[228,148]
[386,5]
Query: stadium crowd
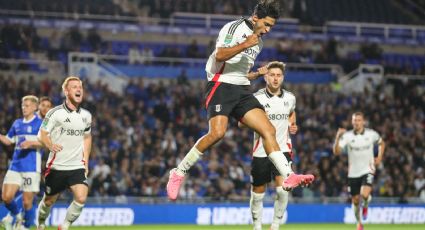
[139,136]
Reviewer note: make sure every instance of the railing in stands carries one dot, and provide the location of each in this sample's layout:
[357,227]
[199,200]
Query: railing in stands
[209,23]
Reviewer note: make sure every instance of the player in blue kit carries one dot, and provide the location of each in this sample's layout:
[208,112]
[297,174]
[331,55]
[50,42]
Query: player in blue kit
[25,166]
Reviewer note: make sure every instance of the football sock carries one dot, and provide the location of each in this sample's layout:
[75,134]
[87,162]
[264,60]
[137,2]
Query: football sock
[12,207]
[366,201]
[256,206]
[356,212]
[188,161]
[281,164]
[280,204]
[43,212]
[73,212]
[29,217]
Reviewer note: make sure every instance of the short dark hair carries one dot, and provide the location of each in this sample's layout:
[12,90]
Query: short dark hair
[44,98]
[266,8]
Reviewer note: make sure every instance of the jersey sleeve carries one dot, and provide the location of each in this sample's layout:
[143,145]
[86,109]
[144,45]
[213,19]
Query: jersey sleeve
[11,134]
[49,121]
[226,38]
[87,130]
[293,104]
[376,137]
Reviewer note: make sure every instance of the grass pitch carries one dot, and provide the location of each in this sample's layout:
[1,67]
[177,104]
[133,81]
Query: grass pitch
[248,227]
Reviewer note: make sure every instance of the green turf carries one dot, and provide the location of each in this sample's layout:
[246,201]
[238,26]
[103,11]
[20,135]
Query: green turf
[246,227]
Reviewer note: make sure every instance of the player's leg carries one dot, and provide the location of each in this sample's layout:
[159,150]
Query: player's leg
[80,190]
[281,199]
[30,187]
[12,182]
[257,120]
[354,185]
[256,205]
[56,182]
[261,175]
[365,192]
[220,102]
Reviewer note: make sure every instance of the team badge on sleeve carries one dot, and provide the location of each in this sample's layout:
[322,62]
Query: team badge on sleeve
[45,122]
[228,39]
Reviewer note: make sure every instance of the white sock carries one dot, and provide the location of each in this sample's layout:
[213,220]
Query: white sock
[280,204]
[43,212]
[281,164]
[356,212]
[367,201]
[73,212]
[188,161]
[256,206]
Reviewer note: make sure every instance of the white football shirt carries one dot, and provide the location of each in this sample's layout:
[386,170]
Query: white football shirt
[278,109]
[359,148]
[235,70]
[67,128]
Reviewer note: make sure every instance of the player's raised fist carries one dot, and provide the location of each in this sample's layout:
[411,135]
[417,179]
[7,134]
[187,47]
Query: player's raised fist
[251,40]
[340,132]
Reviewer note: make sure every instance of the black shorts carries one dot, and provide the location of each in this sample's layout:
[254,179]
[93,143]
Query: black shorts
[57,181]
[354,184]
[263,170]
[229,100]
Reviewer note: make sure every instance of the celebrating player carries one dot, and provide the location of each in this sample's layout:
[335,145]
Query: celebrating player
[359,144]
[66,132]
[228,94]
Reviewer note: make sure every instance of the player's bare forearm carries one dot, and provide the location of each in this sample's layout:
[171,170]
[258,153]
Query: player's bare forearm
[336,149]
[381,150]
[31,144]
[253,75]
[225,53]
[293,128]
[87,147]
[5,140]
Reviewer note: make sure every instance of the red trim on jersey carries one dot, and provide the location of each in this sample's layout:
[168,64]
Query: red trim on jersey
[215,79]
[49,166]
[217,75]
[256,146]
[291,154]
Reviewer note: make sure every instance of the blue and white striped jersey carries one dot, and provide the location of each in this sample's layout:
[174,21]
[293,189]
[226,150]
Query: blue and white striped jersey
[25,160]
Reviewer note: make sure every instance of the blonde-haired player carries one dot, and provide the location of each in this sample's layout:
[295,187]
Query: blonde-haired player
[66,132]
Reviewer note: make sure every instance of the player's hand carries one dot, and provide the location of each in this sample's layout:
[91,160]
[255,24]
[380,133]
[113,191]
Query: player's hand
[25,145]
[56,148]
[251,40]
[340,132]
[262,70]
[293,128]
[378,160]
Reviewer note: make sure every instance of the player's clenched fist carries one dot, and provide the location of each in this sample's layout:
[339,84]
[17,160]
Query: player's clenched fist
[251,40]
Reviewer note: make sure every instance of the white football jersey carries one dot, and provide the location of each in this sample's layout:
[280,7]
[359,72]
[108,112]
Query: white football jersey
[359,148]
[278,109]
[235,70]
[67,128]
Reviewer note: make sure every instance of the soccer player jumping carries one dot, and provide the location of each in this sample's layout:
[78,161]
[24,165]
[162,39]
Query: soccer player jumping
[228,94]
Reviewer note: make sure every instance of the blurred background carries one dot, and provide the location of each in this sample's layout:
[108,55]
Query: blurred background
[142,62]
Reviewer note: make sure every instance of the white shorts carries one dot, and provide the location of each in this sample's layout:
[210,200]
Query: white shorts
[27,181]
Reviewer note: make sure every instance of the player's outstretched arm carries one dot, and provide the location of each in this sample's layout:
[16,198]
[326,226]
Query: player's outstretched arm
[260,72]
[225,53]
[336,148]
[5,140]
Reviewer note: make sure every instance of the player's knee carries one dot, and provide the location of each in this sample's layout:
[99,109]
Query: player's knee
[280,193]
[7,198]
[217,134]
[27,204]
[80,199]
[269,131]
[355,200]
